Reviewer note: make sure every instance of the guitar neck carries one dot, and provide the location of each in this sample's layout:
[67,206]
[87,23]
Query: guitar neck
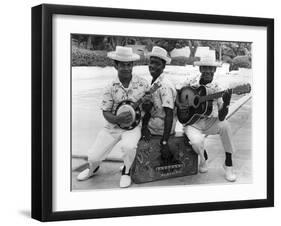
[241,89]
[152,90]
[138,103]
[211,96]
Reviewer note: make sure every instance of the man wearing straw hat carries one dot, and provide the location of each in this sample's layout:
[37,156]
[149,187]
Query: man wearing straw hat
[126,86]
[161,119]
[214,123]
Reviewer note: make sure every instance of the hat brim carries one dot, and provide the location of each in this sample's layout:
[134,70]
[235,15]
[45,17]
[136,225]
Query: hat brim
[114,56]
[167,59]
[214,64]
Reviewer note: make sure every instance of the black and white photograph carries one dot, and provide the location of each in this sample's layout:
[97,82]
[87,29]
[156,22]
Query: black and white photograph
[121,112]
[149,111]
[142,112]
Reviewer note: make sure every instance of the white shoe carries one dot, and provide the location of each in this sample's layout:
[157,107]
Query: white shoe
[86,174]
[203,167]
[125,181]
[229,174]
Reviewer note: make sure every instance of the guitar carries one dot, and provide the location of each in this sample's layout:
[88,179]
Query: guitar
[193,103]
[134,109]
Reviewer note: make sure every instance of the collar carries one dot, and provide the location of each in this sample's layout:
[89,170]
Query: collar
[116,81]
[132,83]
[160,78]
[196,79]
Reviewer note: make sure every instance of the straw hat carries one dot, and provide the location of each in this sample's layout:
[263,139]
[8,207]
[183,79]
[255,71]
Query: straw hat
[124,54]
[208,59]
[161,53]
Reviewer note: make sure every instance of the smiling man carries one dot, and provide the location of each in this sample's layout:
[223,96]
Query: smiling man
[161,119]
[126,86]
[214,122]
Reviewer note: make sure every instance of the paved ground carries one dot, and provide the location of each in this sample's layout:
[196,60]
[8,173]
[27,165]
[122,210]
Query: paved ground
[241,122]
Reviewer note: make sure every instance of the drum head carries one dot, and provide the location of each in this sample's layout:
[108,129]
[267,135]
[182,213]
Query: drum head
[128,106]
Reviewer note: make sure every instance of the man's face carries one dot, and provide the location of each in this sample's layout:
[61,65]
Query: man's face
[207,73]
[124,69]
[156,66]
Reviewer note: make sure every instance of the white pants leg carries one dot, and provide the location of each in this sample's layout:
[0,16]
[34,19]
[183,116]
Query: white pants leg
[223,129]
[196,135]
[107,139]
[102,146]
[196,139]
[129,142]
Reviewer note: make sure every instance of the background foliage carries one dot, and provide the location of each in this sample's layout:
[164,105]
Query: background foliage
[91,50]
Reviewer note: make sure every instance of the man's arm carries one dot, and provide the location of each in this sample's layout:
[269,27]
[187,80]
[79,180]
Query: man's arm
[226,101]
[146,119]
[166,154]
[168,123]
[223,112]
[145,133]
[124,117]
[110,117]
[146,107]
[168,97]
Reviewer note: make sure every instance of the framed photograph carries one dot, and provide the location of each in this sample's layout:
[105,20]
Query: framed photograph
[145,112]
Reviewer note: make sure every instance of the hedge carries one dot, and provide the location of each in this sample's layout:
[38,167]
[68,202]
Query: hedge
[240,62]
[182,61]
[84,57]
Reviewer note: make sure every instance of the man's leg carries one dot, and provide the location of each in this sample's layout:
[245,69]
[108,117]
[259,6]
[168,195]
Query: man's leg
[129,142]
[99,150]
[197,142]
[223,129]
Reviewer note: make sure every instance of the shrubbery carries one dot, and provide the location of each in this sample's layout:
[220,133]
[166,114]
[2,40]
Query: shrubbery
[240,62]
[84,57]
[182,61]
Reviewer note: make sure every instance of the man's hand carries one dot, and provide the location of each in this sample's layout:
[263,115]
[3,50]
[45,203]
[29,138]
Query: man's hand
[124,118]
[166,154]
[147,102]
[147,97]
[226,101]
[147,106]
[145,134]
[227,97]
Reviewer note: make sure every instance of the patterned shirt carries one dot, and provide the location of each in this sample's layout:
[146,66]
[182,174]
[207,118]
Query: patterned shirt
[165,96]
[115,92]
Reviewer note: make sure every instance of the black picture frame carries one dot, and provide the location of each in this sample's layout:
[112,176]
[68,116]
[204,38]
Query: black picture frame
[42,107]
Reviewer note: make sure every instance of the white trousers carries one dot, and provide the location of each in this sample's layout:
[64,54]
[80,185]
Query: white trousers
[211,126]
[108,138]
